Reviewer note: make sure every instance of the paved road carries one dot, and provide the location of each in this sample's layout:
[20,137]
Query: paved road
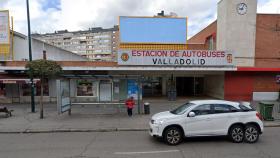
[132,144]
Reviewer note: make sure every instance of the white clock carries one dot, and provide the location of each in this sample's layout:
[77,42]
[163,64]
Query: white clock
[241,8]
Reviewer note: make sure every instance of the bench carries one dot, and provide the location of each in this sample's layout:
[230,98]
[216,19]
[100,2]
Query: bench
[6,111]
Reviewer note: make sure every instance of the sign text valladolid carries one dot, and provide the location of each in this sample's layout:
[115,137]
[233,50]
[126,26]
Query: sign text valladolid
[175,57]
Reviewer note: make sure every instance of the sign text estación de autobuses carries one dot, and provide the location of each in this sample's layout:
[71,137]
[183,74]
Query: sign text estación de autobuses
[175,57]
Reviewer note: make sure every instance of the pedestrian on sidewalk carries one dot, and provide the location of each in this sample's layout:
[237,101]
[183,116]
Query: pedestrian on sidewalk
[129,105]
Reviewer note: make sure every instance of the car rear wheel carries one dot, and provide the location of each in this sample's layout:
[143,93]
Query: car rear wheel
[173,136]
[251,134]
[236,133]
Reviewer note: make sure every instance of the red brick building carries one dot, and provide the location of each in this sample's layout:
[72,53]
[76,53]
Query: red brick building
[260,79]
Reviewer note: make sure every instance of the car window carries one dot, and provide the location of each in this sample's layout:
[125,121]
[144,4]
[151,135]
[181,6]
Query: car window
[233,109]
[221,108]
[245,108]
[202,109]
[224,108]
[181,109]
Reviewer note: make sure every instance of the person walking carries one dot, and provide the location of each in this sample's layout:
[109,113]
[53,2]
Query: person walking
[129,105]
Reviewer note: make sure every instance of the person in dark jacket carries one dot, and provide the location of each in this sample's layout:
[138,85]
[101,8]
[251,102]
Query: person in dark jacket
[129,105]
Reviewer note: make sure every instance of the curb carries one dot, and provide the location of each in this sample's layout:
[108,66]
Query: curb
[92,130]
[73,130]
[272,125]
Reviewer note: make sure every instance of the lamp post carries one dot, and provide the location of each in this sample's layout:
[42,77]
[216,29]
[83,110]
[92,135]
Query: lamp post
[30,57]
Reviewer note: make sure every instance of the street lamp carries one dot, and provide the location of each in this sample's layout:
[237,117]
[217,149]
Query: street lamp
[30,58]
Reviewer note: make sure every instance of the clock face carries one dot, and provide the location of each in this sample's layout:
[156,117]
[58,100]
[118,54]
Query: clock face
[241,8]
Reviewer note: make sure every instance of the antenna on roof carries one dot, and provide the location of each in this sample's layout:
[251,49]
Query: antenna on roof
[161,13]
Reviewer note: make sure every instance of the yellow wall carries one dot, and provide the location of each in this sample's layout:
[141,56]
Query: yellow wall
[154,46]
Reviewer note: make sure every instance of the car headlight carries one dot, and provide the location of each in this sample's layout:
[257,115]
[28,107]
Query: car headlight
[157,121]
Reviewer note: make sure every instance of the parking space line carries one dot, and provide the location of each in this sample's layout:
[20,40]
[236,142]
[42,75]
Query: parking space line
[145,152]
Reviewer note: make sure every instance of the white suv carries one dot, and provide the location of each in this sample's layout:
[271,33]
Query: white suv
[208,118]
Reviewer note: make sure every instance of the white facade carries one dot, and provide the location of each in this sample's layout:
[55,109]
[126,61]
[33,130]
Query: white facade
[21,51]
[214,85]
[236,29]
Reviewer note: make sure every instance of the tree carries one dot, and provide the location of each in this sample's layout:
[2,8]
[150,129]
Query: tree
[43,69]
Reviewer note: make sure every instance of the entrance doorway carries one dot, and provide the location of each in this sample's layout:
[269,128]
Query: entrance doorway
[105,91]
[152,86]
[189,86]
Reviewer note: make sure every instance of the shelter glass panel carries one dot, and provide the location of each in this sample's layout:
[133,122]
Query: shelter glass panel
[86,88]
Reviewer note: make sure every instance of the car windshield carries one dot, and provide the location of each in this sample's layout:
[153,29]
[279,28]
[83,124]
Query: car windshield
[181,109]
[245,108]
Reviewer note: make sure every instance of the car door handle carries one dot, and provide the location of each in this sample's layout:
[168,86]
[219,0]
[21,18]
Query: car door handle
[208,119]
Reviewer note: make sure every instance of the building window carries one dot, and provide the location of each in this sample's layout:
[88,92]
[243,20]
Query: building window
[67,43]
[89,51]
[83,42]
[82,37]
[86,88]
[26,89]
[211,41]
[98,51]
[2,90]
[90,46]
[45,90]
[101,36]
[75,42]
[67,38]
[211,45]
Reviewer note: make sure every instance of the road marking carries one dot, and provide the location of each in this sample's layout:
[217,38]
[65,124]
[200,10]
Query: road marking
[145,152]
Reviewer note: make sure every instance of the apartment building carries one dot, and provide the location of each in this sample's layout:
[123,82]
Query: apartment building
[97,44]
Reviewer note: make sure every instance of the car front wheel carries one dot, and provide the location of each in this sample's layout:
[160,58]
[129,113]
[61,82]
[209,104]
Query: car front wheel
[173,136]
[236,133]
[251,134]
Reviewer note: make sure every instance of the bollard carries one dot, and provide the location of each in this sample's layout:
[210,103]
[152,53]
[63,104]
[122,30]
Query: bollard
[146,108]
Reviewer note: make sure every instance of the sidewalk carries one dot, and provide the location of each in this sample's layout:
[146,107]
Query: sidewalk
[275,114]
[83,118]
[86,118]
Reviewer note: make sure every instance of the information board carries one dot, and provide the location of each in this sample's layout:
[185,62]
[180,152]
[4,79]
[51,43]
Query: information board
[160,30]
[132,89]
[63,95]
[176,57]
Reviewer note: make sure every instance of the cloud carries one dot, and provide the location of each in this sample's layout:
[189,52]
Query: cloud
[271,6]
[41,20]
[74,15]
[55,4]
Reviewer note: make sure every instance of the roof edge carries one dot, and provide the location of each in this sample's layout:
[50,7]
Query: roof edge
[202,30]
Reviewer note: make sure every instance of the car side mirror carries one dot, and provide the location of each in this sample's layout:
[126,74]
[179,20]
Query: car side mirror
[191,114]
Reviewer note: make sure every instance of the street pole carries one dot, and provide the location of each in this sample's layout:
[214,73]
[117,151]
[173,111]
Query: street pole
[30,57]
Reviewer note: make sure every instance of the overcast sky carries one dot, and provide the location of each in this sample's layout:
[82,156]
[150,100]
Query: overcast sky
[51,15]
